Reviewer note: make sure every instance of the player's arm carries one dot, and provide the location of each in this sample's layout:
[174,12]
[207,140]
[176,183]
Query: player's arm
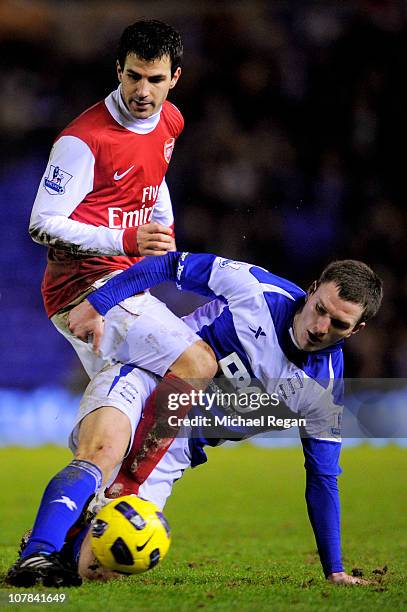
[201,273]
[190,271]
[322,497]
[58,197]
[87,318]
[163,213]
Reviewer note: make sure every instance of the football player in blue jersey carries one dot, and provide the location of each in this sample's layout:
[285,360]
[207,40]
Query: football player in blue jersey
[261,327]
[265,328]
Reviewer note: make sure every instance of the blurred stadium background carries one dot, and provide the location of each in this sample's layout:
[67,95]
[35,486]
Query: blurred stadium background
[292,154]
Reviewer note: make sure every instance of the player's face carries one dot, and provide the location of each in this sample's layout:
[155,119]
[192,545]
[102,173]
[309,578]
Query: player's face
[145,85]
[325,319]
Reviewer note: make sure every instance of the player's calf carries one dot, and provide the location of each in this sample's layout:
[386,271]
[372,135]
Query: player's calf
[104,436]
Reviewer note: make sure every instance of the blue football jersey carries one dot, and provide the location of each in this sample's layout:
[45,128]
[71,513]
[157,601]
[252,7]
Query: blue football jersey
[249,327]
[248,324]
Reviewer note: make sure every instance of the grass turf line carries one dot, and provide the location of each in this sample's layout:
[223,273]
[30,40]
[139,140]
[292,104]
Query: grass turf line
[241,536]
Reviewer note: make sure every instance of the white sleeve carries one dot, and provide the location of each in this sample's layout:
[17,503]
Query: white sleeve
[162,212]
[233,280]
[67,180]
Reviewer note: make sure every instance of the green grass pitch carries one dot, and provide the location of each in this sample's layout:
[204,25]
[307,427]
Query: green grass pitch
[241,536]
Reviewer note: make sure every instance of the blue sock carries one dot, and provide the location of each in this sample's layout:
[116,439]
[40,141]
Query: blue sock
[77,544]
[61,505]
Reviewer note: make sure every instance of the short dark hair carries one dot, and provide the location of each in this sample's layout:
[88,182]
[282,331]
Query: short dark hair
[151,40]
[356,283]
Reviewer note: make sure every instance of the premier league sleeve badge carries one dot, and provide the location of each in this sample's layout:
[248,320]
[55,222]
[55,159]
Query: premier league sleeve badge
[56,180]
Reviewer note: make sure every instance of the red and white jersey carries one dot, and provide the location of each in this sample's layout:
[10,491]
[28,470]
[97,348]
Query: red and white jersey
[105,175]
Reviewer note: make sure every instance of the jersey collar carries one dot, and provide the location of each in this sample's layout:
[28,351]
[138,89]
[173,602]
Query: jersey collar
[294,341]
[121,114]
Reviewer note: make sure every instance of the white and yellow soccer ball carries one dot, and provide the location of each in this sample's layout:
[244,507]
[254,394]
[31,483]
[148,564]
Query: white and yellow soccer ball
[130,535]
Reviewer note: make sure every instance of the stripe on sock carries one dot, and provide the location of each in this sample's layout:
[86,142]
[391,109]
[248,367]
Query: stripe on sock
[89,468]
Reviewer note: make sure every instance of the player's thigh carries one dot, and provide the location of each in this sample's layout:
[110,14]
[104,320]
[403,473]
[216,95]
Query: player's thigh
[158,486]
[143,331]
[121,388]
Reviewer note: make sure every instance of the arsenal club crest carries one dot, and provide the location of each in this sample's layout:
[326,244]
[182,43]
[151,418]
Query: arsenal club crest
[56,180]
[168,149]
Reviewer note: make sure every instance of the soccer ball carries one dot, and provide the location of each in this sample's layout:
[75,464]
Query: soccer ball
[130,535]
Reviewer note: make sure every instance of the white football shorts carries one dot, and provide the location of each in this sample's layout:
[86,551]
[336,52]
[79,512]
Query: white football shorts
[122,386]
[140,330]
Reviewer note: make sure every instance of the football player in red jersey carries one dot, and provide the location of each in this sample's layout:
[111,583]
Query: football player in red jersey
[102,204]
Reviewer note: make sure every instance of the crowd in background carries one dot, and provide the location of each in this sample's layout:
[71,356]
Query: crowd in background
[292,153]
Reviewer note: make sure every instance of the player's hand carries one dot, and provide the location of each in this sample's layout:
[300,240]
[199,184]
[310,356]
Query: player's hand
[83,321]
[344,578]
[155,239]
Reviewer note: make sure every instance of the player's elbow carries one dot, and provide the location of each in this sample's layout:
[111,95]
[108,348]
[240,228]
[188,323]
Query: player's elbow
[319,480]
[37,233]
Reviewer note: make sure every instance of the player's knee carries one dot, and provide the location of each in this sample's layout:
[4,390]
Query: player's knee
[89,567]
[197,362]
[207,360]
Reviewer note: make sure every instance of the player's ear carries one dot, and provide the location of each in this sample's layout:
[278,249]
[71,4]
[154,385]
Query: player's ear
[312,288]
[119,71]
[175,77]
[357,328]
